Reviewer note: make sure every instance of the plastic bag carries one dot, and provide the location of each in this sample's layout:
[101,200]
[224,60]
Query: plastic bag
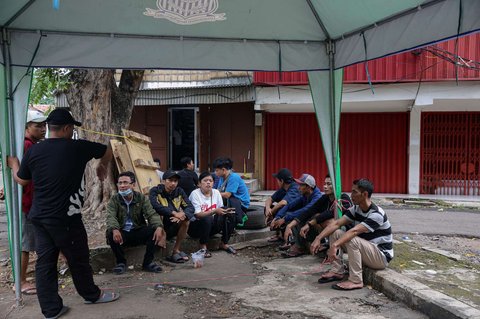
[198,258]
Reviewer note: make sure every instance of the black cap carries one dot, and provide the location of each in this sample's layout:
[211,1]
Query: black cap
[169,174]
[283,174]
[61,116]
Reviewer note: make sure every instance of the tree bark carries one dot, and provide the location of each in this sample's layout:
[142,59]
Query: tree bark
[104,109]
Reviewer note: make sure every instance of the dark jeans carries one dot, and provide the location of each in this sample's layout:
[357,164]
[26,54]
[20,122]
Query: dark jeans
[135,237]
[299,240]
[71,239]
[208,226]
[239,209]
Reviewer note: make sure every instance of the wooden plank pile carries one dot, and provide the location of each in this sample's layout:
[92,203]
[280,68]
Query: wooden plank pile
[133,154]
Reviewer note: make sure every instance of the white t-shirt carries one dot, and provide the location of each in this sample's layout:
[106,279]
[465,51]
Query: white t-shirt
[202,203]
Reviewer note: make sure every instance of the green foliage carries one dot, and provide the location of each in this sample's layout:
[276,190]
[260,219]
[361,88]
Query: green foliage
[48,82]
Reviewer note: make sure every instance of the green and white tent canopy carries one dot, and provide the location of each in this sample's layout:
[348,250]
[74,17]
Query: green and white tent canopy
[270,35]
[225,34]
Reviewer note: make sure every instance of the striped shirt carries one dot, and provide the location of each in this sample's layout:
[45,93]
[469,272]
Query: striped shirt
[379,228]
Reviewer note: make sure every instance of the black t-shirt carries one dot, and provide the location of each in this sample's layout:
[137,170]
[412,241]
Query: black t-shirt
[56,167]
[188,181]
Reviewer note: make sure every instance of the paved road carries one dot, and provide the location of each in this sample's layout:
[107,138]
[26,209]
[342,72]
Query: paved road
[433,222]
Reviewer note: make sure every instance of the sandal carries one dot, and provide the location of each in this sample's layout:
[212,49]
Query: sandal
[207,254]
[184,256]
[176,258]
[293,252]
[274,239]
[332,277]
[285,247]
[230,250]
[105,296]
[119,269]
[63,311]
[152,267]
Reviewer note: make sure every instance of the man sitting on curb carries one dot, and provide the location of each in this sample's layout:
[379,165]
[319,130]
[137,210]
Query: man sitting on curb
[368,243]
[286,193]
[171,202]
[310,194]
[308,225]
[127,213]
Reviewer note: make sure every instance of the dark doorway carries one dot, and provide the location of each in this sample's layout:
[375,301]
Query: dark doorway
[182,135]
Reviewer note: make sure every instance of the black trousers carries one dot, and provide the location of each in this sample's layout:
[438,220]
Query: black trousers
[135,237]
[71,239]
[206,227]
[299,240]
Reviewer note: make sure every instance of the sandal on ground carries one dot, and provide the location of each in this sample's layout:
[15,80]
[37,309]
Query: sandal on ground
[63,311]
[176,258]
[285,247]
[338,287]
[152,267]
[208,254]
[105,296]
[330,277]
[274,239]
[119,269]
[29,291]
[292,253]
[184,256]
[230,250]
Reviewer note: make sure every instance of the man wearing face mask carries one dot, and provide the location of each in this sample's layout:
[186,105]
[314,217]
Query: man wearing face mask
[127,213]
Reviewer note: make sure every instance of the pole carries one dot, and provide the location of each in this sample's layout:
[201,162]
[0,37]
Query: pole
[12,188]
[333,120]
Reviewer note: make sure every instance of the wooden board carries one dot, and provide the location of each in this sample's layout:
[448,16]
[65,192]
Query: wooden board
[122,158]
[139,151]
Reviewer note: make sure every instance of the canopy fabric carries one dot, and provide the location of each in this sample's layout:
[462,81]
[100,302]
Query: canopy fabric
[270,35]
[267,35]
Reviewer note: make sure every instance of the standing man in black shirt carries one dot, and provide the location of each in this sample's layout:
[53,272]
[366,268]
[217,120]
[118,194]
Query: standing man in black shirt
[56,167]
[188,178]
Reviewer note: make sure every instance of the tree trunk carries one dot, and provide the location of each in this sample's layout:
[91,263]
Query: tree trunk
[103,108]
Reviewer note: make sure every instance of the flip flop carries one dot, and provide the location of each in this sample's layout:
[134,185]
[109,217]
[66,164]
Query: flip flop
[119,269]
[63,311]
[105,296]
[324,280]
[153,267]
[274,239]
[176,258]
[230,250]
[292,253]
[29,291]
[337,287]
[184,256]
[285,247]
[208,254]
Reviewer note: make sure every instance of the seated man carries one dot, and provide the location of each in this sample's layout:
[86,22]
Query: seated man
[286,193]
[308,225]
[368,243]
[234,191]
[310,194]
[171,202]
[127,213]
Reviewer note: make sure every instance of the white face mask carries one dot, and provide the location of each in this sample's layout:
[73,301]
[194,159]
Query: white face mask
[125,192]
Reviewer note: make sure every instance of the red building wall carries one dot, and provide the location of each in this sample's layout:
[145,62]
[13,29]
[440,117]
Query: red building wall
[294,142]
[405,67]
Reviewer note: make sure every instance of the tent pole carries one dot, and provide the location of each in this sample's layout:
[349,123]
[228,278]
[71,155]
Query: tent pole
[331,69]
[14,188]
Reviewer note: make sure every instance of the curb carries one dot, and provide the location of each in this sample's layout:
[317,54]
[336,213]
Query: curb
[101,257]
[418,296]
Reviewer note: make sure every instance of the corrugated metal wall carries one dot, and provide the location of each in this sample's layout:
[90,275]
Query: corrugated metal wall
[450,153]
[372,145]
[405,67]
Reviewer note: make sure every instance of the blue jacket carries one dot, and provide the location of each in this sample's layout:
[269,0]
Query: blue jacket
[298,206]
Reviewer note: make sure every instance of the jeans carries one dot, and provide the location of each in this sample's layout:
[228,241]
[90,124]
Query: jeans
[135,237]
